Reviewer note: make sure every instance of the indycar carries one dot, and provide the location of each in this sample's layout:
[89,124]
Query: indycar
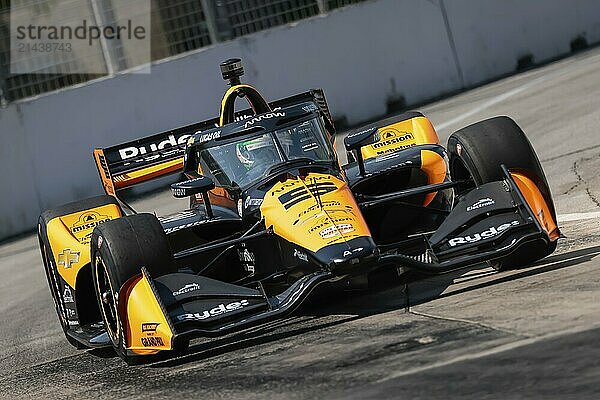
[272,215]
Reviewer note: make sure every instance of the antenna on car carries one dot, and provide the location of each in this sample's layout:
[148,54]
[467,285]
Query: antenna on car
[232,70]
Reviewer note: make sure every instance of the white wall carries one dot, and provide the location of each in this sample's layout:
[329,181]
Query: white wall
[361,55]
[490,35]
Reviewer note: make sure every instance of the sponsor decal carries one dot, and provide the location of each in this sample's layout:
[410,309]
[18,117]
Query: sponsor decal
[68,295]
[177,217]
[348,253]
[70,313]
[399,140]
[213,312]
[152,341]
[481,203]
[87,222]
[268,115]
[100,241]
[149,326]
[309,108]
[190,287]
[207,137]
[252,202]
[171,141]
[68,257]
[335,230]
[379,152]
[245,255]
[390,155]
[360,132]
[179,192]
[488,233]
[190,225]
[323,222]
[240,207]
[390,138]
[179,189]
[247,259]
[301,255]
[324,204]
[237,118]
[345,228]
[309,147]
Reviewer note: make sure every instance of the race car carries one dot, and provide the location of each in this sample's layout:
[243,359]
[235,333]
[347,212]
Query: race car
[272,215]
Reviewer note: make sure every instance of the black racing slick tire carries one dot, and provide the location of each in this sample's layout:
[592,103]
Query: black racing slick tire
[120,248]
[477,152]
[58,287]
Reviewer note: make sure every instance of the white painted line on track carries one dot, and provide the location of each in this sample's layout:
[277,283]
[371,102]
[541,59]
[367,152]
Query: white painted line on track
[578,216]
[498,99]
[494,101]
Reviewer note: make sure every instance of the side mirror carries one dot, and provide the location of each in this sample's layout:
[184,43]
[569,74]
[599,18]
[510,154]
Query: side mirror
[356,140]
[194,186]
[191,187]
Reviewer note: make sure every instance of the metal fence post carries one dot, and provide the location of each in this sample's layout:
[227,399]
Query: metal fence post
[111,66]
[224,28]
[211,20]
[323,7]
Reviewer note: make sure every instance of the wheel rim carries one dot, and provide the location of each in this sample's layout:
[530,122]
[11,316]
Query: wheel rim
[107,300]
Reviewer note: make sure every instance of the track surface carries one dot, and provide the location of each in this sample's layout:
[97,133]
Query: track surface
[521,334]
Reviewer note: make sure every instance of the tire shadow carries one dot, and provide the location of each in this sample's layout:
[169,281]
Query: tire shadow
[546,265]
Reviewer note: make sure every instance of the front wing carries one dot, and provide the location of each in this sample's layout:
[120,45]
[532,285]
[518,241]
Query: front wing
[181,306]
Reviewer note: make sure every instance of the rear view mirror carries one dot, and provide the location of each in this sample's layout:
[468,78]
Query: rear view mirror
[194,186]
[191,187]
[356,140]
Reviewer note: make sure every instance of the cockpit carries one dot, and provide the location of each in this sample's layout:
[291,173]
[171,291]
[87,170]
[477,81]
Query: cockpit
[243,159]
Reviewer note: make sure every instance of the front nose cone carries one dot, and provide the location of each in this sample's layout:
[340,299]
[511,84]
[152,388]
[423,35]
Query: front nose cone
[354,257]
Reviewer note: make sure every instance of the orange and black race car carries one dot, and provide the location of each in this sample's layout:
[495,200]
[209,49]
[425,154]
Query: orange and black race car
[272,215]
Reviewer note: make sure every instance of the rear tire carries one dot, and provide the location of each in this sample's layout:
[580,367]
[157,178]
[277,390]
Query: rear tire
[120,248]
[477,152]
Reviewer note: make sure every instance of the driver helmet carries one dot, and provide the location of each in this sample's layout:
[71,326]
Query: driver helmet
[255,151]
[286,141]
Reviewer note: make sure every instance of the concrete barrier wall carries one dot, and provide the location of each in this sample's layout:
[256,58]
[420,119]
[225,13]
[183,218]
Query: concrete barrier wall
[364,56]
[492,35]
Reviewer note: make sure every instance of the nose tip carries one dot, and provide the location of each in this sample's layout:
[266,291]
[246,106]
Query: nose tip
[355,261]
[353,256]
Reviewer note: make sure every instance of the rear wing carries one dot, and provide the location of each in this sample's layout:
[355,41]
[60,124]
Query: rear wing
[151,157]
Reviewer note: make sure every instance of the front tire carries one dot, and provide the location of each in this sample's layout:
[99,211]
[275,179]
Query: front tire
[120,248]
[56,284]
[477,152]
